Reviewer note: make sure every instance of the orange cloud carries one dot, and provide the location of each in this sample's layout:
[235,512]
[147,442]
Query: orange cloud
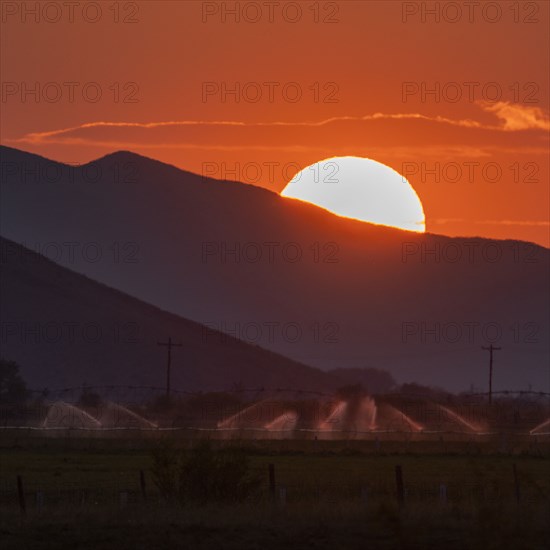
[513,118]
[518,117]
[529,223]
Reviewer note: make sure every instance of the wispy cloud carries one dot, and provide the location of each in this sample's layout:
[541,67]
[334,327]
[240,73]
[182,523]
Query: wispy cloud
[517,117]
[511,117]
[40,137]
[530,223]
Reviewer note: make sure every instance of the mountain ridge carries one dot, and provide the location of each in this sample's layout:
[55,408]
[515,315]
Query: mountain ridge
[94,302]
[187,243]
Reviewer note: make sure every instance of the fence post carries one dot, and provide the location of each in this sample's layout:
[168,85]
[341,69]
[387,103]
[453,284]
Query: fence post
[399,483]
[272,481]
[142,484]
[516,482]
[21,494]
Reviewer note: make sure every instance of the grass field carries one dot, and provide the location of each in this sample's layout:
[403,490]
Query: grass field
[337,496]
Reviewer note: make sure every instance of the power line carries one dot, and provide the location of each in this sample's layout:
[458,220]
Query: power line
[168,345]
[490,349]
[262,389]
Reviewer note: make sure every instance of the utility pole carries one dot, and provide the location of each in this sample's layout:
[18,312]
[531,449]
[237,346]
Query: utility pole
[169,345]
[490,349]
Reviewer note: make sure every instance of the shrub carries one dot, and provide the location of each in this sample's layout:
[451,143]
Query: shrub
[205,475]
[165,470]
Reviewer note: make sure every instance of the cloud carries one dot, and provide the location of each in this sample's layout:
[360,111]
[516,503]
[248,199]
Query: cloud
[529,223]
[512,118]
[518,117]
[42,137]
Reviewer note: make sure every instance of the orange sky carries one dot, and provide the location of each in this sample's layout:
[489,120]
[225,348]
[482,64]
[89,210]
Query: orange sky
[476,152]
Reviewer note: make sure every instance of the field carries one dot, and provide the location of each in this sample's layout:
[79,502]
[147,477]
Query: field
[328,494]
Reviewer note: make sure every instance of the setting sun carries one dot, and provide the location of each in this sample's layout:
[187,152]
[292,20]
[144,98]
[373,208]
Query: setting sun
[275,272]
[359,188]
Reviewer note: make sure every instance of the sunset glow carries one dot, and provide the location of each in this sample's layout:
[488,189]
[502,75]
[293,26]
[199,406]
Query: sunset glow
[274,274]
[362,189]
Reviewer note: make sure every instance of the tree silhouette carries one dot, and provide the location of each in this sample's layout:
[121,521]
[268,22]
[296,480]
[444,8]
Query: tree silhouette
[13,389]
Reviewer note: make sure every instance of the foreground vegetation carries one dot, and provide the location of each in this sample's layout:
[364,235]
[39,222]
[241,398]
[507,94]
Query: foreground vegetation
[337,497]
[320,525]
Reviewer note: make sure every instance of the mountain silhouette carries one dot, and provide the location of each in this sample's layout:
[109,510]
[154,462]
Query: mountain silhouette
[323,290]
[65,329]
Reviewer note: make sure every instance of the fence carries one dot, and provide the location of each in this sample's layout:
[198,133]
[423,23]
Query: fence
[280,486]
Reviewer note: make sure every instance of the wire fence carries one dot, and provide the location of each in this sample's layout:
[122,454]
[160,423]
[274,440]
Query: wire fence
[293,484]
[150,390]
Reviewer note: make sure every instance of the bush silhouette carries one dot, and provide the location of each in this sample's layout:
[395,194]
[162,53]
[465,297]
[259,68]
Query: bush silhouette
[204,476]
